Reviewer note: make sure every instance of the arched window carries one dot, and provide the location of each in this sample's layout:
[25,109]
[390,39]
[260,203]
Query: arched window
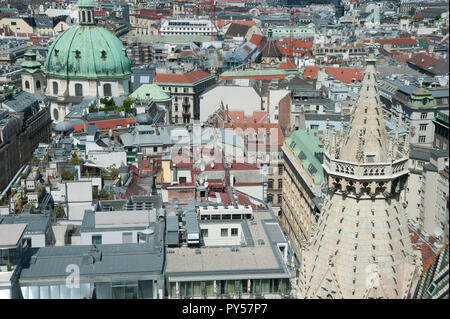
[107,89]
[83,16]
[38,84]
[55,88]
[78,89]
[55,114]
[27,84]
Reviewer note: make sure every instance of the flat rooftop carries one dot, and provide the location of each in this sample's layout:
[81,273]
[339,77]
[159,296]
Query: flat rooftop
[212,261]
[10,234]
[110,260]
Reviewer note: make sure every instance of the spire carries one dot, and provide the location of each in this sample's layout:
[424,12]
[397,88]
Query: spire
[367,123]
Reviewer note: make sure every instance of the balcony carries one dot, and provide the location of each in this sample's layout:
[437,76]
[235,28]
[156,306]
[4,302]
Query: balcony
[366,170]
[186,111]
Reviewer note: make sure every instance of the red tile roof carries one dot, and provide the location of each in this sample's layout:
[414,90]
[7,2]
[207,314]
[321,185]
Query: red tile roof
[181,78]
[236,116]
[100,12]
[345,75]
[301,47]
[187,53]
[288,64]
[254,77]
[425,249]
[256,39]
[422,60]
[396,41]
[105,125]
[151,14]
[221,23]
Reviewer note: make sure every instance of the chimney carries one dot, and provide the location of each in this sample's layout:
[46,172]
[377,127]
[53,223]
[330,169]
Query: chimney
[116,137]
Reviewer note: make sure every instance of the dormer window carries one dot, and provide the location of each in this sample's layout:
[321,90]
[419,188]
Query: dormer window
[103,53]
[77,54]
[56,52]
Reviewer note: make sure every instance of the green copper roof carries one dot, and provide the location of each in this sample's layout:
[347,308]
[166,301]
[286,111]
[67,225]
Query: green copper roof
[153,91]
[422,98]
[306,146]
[85,3]
[423,43]
[87,52]
[30,64]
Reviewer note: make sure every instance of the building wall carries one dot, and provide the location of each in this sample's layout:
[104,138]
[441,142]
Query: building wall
[254,191]
[413,189]
[233,98]
[37,240]
[284,113]
[432,191]
[33,79]
[66,89]
[20,148]
[216,239]
[297,208]
[109,237]
[17,25]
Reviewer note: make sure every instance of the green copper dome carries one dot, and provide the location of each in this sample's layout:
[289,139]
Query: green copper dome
[87,52]
[151,91]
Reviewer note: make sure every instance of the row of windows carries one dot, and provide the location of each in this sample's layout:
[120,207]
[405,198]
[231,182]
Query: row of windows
[279,198]
[223,232]
[229,287]
[38,84]
[79,89]
[280,183]
[188,29]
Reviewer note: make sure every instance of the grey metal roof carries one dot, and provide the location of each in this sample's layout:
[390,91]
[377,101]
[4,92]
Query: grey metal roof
[419,154]
[430,167]
[172,223]
[36,224]
[439,92]
[121,259]
[21,101]
[191,223]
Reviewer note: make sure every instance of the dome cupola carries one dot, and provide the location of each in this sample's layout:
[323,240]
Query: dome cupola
[85,12]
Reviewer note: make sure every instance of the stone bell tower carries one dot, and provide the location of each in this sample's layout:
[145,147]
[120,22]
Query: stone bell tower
[32,75]
[361,247]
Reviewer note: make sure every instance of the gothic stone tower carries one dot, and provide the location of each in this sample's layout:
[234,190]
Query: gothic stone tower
[361,247]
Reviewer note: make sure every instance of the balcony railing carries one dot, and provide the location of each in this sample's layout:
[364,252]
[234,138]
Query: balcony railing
[369,170]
